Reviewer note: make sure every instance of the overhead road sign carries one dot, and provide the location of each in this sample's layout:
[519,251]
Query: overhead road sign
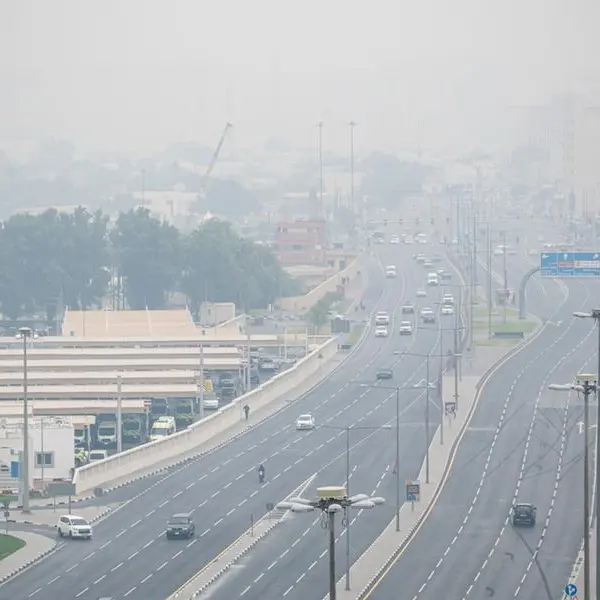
[570,265]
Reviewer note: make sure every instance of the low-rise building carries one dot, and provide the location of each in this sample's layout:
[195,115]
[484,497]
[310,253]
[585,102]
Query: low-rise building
[51,451]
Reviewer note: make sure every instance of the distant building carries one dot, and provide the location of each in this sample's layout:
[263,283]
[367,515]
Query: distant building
[302,242]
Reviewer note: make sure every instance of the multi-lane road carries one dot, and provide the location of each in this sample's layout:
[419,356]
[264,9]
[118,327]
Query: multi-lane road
[129,555]
[524,444]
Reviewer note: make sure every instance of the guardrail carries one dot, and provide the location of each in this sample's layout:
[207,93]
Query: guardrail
[140,458]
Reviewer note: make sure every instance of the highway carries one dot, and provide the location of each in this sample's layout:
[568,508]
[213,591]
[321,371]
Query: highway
[291,562]
[129,555]
[523,445]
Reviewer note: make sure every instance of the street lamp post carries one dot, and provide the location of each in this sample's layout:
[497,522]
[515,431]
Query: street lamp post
[587,385]
[330,500]
[348,429]
[595,314]
[26,333]
[321,208]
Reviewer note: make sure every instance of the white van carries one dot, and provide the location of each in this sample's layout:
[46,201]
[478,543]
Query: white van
[382,318]
[433,279]
[390,271]
[162,428]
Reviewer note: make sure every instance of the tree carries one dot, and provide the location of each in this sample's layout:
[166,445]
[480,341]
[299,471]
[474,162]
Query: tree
[147,255]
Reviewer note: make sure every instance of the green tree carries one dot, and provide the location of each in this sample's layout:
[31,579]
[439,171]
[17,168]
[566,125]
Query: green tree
[146,252]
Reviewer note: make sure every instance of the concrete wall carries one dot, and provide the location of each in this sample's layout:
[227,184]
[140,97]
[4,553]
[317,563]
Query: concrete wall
[100,473]
[300,304]
[213,313]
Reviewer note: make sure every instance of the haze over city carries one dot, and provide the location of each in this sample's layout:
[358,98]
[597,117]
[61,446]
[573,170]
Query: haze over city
[134,76]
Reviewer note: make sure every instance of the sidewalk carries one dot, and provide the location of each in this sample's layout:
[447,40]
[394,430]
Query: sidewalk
[577,576]
[370,565]
[36,547]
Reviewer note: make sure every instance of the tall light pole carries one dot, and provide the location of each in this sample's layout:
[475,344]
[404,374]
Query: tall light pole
[505,274]
[331,499]
[595,314]
[119,414]
[352,125]
[348,429]
[587,385]
[321,208]
[489,280]
[26,333]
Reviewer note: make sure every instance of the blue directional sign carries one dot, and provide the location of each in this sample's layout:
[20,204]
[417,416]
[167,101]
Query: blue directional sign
[570,264]
[413,491]
[571,590]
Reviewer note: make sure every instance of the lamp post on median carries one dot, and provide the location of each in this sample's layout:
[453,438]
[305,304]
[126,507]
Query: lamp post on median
[587,385]
[348,429]
[26,333]
[595,314]
[330,500]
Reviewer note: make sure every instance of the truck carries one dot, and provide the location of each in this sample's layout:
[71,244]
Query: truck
[163,427]
[106,432]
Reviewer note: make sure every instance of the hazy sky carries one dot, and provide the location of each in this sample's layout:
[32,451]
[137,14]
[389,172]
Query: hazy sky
[134,75]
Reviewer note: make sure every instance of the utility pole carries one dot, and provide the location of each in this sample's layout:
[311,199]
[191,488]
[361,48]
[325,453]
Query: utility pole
[119,414]
[321,211]
[352,125]
[505,274]
[26,333]
[489,278]
[426,421]
[456,327]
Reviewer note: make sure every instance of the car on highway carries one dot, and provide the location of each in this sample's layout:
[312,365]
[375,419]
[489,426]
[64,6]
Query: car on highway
[444,275]
[408,308]
[420,258]
[304,422]
[427,315]
[448,299]
[382,318]
[390,272]
[381,331]
[524,513]
[180,525]
[394,239]
[428,264]
[211,402]
[72,526]
[406,328]
[433,279]
[421,293]
[385,374]
[447,310]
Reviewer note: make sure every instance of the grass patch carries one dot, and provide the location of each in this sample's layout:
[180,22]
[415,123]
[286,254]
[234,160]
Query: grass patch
[9,545]
[356,334]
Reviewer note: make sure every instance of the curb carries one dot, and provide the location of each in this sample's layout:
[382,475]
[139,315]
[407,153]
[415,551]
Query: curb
[91,521]
[28,564]
[194,457]
[232,562]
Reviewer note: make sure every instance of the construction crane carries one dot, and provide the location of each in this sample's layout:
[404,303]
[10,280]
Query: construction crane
[213,160]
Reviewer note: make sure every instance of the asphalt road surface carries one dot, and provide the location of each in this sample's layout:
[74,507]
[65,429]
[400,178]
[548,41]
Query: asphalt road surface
[129,555]
[523,446]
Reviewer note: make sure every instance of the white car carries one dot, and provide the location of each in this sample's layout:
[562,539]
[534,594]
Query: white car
[395,240]
[406,328]
[448,299]
[305,422]
[447,310]
[73,526]
[211,403]
[499,252]
[421,293]
[381,331]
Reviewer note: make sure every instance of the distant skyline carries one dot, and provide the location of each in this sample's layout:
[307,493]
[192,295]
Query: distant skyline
[135,76]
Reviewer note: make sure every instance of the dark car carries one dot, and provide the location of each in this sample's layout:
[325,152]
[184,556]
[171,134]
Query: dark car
[408,308]
[385,374]
[180,525]
[524,514]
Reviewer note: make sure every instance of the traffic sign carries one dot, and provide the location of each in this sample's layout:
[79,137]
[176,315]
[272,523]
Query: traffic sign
[413,491]
[571,590]
[570,264]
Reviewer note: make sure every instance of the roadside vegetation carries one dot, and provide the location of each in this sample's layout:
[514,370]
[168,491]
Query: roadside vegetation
[9,545]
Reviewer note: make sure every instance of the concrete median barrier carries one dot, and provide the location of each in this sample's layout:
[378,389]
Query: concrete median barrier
[99,473]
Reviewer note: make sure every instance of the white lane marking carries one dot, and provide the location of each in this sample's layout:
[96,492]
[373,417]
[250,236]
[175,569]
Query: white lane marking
[130,591]
[100,579]
[116,567]
[82,592]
